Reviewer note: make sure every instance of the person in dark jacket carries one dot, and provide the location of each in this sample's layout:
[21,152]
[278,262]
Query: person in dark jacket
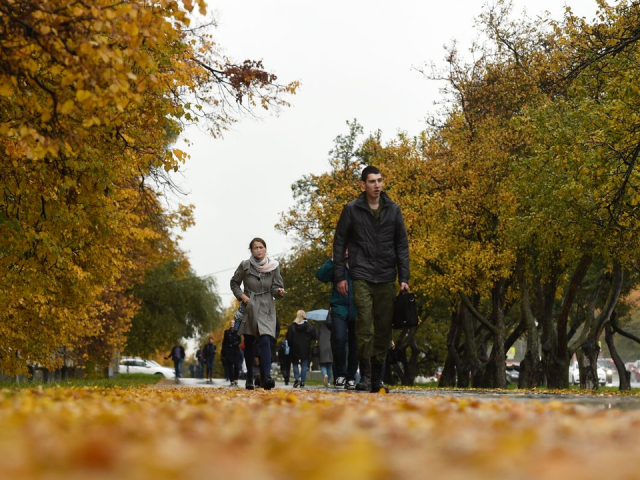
[343,327]
[284,359]
[177,354]
[299,335]
[200,362]
[209,356]
[373,229]
[231,353]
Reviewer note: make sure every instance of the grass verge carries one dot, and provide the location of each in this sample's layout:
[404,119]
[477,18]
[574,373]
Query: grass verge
[123,380]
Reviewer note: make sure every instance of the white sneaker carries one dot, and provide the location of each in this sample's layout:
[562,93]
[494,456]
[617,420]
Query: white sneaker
[326,380]
[339,382]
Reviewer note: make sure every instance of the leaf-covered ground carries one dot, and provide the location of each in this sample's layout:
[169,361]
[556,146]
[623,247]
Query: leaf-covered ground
[168,433]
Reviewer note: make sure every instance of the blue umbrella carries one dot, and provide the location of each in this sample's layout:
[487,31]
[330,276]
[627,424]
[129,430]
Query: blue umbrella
[317,315]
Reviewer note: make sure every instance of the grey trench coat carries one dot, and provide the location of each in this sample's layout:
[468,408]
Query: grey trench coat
[261,288]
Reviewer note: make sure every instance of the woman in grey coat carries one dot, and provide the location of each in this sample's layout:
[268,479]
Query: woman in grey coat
[262,282]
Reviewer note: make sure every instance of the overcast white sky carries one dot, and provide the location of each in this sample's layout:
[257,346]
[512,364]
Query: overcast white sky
[354,59]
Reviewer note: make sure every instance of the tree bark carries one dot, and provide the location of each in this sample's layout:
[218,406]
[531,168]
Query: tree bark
[625,377]
[530,366]
[449,372]
[497,352]
[471,357]
[563,318]
[594,327]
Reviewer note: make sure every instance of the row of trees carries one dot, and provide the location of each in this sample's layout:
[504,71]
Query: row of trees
[93,97]
[520,199]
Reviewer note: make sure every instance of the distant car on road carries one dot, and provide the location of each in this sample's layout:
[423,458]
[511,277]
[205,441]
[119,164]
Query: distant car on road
[139,365]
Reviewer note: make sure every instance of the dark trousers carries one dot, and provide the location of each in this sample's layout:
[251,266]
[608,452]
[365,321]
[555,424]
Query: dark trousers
[374,302]
[265,355]
[210,366]
[177,363]
[231,371]
[344,343]
[285,368]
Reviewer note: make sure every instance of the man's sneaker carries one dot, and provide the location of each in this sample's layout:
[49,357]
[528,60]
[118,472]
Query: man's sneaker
[350,385]
[296,384]
[340,382]
[325,380]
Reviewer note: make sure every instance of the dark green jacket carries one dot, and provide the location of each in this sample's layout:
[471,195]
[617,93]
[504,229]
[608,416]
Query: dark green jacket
[378,252]
[342,306]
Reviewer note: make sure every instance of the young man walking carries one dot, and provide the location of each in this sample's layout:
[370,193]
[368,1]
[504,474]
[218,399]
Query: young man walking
[373,230]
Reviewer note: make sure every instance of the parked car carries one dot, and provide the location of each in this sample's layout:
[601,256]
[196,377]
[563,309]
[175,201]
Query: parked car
[513,372]
[138,365]
[574,373]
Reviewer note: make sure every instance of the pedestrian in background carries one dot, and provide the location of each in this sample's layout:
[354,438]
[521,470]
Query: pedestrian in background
[199,362]
[284,359]
[231,353]
[209,356]
[300,334]
[177,354]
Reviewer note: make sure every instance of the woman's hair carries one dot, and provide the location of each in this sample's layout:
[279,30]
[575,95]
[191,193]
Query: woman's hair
[300,315]
[257,239]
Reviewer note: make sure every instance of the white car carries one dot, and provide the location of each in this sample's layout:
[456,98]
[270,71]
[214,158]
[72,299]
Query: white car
[574,374]
[138,365]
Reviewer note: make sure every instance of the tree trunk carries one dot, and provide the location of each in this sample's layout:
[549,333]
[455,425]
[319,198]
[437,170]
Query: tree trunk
[530,367]
[449,372]
[588,363]
[555,368]
[625,377]
[471,366]
[448,376]
[594,327]
[497,352]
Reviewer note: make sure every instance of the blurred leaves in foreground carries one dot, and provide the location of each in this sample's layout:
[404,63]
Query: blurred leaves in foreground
[160,432]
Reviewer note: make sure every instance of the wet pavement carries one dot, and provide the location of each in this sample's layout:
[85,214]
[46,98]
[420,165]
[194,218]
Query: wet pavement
[600,401]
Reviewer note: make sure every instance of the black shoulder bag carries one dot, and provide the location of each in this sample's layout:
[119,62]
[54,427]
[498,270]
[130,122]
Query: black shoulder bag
[405,312]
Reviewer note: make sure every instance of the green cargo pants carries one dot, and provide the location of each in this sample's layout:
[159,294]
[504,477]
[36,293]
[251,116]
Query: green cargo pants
[374,305]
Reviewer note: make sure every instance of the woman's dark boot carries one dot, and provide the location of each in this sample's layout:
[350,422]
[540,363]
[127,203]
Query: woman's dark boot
[249,384]
[365,376]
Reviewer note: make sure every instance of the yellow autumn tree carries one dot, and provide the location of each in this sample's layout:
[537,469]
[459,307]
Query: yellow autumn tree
[92,98]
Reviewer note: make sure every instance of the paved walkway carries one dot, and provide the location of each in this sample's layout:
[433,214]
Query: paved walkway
[597,400]
[217,383]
